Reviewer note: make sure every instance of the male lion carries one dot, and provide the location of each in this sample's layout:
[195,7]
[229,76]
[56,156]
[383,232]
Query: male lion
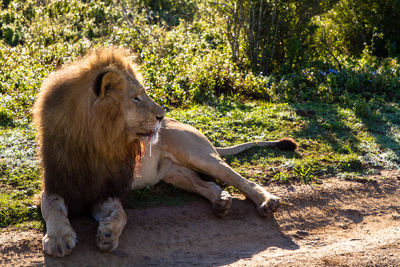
[97,129]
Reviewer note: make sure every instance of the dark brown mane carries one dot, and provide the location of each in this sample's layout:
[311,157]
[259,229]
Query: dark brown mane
[85,151]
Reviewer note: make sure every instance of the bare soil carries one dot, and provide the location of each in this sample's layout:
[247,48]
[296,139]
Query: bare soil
[338,223]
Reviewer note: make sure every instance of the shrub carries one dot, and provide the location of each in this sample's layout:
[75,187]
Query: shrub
[6,118]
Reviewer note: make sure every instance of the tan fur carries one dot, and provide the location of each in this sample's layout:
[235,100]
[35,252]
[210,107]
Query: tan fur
[60,238]
[112,220]
[181,153]
[287,144]
[94,122]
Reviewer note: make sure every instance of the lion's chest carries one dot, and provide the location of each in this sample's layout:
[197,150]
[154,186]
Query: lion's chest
[148,173]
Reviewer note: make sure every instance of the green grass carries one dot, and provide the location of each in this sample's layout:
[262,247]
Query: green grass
[333,141]
[19,176]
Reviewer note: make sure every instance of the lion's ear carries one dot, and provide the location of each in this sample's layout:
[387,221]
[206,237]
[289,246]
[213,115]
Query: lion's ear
[108,81]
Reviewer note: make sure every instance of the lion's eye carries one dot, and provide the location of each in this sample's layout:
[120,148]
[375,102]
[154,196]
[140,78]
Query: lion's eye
[136,99]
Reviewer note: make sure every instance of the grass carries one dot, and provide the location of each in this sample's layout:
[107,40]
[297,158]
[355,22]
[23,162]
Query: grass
[19,176]
[333,141]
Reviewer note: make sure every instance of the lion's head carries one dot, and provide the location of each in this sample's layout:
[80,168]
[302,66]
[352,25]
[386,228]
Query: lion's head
[91,116]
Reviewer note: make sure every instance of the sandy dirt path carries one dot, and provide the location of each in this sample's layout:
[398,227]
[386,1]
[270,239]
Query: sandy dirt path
[338,223]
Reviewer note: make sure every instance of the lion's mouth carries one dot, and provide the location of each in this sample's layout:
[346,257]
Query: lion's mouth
[147,134]
[150,137]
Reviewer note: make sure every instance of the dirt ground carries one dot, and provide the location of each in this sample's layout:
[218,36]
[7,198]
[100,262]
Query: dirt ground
[338,223]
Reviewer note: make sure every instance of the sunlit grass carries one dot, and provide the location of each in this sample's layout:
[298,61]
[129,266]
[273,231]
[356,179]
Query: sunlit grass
[333,141]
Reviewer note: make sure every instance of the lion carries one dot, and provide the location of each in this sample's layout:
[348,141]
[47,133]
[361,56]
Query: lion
[100,136]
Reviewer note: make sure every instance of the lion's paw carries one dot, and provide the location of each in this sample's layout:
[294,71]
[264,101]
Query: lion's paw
[106,237]
[268,207]
[223,205]
[60,244]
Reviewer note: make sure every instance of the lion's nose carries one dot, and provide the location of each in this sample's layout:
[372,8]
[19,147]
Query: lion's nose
[159,118]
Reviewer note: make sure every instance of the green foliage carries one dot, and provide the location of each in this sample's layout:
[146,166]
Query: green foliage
[304,172]
[281,177]
[353,25]
[192,61]
[23,23]
[170,11]
[6,119]
[341,92]
[363,79]
[270,36]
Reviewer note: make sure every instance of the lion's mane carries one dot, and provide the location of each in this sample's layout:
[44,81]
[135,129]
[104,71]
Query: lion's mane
[85,151]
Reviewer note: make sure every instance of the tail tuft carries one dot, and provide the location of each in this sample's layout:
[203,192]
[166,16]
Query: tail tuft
[286,144]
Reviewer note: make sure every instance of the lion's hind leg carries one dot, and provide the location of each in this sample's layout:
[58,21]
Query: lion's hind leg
[60,238]
[187,179]
[112,220]
[214,166]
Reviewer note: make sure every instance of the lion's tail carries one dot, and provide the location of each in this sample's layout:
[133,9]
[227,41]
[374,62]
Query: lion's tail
[286,144]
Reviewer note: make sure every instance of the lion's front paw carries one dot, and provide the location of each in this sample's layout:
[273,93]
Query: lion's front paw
[106,237]
[61,243]
[268,207]
[223,205]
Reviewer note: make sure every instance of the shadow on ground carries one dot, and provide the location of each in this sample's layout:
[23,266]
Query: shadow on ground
[180,236]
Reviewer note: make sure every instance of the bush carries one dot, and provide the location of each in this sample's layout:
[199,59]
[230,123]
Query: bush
[6,118]
[189,60]
[353,25]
